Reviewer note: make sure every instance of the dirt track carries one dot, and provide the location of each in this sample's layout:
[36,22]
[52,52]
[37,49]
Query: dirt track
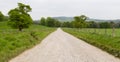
[62,47]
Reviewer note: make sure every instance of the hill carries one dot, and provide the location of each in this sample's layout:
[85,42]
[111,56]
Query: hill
[64,18]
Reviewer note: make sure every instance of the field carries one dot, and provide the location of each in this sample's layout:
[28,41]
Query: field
[13,42]
[99,39]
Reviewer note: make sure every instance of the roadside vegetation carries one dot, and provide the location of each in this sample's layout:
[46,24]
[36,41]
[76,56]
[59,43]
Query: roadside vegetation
[14,42]
[104,35]
[18,32]
[101,40]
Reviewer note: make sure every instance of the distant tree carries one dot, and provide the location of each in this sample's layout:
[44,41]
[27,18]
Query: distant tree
[72,24]
[42,21]
[57,23]
[113,28]
[92,24]
[1,16]
[83,20]
[105,25]
[63,24]
[50,22]
[66,24]
[19,17]
[80,21]
[117,25]
[77,22]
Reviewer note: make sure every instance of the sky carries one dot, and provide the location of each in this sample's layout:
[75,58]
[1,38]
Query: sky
[98,9]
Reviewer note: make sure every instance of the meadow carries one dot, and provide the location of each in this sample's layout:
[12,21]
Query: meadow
[99,39]
[14,42]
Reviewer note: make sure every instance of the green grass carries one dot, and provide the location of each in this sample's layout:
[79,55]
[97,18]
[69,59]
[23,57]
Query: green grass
[13,42]
[105,42]
[102,31]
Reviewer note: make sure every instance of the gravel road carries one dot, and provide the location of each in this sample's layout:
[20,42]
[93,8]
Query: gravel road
[60,46]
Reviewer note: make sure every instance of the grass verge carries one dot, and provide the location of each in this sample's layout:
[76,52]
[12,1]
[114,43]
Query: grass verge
[13,42]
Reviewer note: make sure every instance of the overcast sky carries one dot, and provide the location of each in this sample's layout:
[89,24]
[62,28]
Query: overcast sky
[99,9]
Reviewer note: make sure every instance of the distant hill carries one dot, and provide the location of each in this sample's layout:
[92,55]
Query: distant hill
[63,19]
[102,20]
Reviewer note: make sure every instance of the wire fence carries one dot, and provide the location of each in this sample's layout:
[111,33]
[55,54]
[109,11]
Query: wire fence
[107,32]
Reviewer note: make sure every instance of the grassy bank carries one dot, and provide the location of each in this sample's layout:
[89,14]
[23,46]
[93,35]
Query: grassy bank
[13,42]
[105,42]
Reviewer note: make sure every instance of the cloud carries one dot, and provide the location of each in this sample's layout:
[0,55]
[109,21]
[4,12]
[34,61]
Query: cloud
[102,9]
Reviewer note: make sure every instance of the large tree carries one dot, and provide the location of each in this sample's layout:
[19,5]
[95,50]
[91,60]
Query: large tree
[19,17]
[1,16]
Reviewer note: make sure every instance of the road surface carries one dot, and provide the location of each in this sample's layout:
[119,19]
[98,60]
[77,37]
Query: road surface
[60,46]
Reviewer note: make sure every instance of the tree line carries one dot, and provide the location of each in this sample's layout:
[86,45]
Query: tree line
[78,22]
[50,22]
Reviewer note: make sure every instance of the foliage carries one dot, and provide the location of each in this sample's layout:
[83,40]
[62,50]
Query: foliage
[6,18]
[79,21]
[57,23]
[66,24]
[50,22]
[104,25]
[19,17]
[13,42]
[43,21]
[1,16]
[92,24]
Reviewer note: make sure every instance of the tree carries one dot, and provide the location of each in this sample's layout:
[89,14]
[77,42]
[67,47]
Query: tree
[42,21]
[1,16]
[19,17]
[50,22]
[92,24]
[57,23]
[105,25]
[66,24]
[113,28]
[80,21]
[77,22]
